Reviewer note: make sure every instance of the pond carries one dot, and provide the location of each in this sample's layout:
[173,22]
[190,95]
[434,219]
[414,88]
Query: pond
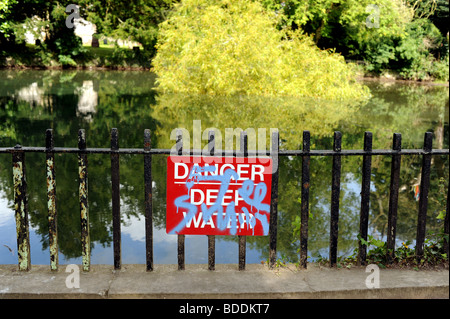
[33,100]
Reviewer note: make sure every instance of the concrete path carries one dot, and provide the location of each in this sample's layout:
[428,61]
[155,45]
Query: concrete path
[257,281]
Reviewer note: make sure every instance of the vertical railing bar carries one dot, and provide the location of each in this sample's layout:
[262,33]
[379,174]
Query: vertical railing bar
[181,238]
[273,219]
[423,200]
[211,238]
[115,191]
[446,226]
[365,199]
[148,201]
[243,145]
[21,209]
[304,215]
[335,192]
[393,197]
[51,200]
[83,198]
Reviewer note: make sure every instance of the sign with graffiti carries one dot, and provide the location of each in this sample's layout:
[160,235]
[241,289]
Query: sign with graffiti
[218,195]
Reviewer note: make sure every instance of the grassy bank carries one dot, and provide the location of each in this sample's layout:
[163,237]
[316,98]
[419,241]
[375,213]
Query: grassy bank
[436,73]
[109,57]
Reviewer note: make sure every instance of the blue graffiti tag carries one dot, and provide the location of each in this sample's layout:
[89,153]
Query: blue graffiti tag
[229,216]
[260,192]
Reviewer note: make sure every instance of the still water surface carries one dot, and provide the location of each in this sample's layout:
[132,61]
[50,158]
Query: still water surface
[32,101]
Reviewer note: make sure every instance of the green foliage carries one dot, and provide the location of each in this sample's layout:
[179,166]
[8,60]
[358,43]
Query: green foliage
[440,16]
[60,45]
[62,41]
[439,70]
[124,57]
[403,256]
[409,39]
[133,20]
[233,47]
[410,55]
[5,11]
[416,54]
[342,23]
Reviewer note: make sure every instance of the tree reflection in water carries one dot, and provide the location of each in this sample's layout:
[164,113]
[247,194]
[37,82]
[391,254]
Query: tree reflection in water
[32,101]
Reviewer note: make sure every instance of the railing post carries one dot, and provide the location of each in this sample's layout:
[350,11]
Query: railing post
[51,200]
[21,208]
[148,200]
[243,239]
[393,197]
[423,200]
[304,216]
[181,238]
[446,226]
[335,192]
[115,191]
[211,238]
[365,198]
[83,198]
[274,201]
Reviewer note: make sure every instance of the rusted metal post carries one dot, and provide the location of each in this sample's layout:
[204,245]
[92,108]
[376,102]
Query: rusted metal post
[83,198]
[423,200]
[21,208]
[304,215]
[148,200]
[243,239]
[393,197]
[274,202]
[115,187]
[365,198]
[51,200]
[211,238]
[335,192]
[181,238]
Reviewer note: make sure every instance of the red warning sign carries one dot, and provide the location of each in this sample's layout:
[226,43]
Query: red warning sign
[218,195]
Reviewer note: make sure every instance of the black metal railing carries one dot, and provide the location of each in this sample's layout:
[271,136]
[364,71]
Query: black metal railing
[21,201]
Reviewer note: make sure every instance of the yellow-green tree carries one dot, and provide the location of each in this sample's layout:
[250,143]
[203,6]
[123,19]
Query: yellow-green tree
[229,47]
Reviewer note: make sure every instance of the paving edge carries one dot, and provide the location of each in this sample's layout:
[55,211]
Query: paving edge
[226,282]
[439,292]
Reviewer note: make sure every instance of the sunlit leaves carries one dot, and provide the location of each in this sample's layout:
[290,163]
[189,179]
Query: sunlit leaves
[232,47]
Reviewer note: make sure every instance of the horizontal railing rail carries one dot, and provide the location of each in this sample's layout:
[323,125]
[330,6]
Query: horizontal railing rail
[156,151]
[82,151]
